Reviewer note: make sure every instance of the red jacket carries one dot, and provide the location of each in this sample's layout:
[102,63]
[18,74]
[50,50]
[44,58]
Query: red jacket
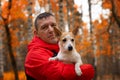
[38,66]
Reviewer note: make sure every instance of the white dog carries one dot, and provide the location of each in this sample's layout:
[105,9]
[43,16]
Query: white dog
[67,52]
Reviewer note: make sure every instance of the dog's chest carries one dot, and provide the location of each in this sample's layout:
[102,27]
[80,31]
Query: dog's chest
[68,57]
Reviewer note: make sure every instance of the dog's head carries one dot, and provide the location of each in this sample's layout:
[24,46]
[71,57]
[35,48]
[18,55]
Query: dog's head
[66,39]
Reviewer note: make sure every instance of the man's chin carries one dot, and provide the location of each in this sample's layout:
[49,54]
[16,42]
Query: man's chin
[54,41]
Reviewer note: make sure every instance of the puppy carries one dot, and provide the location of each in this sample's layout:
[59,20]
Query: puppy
[67,52]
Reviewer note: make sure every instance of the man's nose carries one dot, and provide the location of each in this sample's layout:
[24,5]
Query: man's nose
[50,28]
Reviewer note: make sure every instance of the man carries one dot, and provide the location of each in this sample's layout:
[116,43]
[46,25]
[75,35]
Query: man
[42,47]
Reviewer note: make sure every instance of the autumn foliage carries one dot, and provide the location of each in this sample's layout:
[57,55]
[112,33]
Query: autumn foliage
[10,76]
[98,42]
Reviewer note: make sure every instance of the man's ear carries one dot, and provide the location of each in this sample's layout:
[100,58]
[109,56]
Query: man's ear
[35,32]
[58,32]
[75,30]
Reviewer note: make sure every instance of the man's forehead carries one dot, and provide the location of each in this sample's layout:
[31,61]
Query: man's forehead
[47,19]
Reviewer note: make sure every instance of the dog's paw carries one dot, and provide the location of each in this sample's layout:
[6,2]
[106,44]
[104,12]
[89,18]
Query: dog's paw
[79,72]
[52,59]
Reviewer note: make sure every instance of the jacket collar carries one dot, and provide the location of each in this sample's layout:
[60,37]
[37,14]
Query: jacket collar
[36,41]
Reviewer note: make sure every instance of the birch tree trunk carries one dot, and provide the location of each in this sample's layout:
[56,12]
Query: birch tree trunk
[71,12]
[61,14]
[68,11]
[50,7]
[1,44]
[29,21]
[115,44]
[92,37]
[1,52]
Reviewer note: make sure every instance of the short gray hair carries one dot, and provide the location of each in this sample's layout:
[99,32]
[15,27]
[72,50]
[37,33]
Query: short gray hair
[41,16]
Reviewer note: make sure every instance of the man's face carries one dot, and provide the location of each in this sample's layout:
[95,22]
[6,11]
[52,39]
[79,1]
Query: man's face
[46,29]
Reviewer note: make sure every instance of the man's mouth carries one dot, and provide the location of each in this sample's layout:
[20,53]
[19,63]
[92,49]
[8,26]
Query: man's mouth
[51,36]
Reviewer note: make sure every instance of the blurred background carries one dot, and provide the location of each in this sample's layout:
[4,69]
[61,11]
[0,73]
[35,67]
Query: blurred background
[98,41]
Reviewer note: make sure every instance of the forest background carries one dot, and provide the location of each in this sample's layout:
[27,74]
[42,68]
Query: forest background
[98,41]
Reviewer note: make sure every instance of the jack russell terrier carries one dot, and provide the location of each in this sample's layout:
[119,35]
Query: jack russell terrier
[67,52]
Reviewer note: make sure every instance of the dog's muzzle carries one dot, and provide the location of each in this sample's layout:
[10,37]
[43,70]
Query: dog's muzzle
[70,48]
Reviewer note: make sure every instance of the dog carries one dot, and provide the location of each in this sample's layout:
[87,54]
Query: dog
[67,52]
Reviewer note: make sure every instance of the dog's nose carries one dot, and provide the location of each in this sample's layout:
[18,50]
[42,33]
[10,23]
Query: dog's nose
[70,48]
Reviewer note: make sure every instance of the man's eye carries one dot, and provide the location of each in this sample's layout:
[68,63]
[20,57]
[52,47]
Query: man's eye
[44,27]
[64,40]
[53,25]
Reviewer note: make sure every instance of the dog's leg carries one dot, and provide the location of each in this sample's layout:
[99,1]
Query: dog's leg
[53,58]
[77,68]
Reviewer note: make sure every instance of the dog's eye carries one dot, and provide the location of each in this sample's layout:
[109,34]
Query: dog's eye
[72,40]
[64,40]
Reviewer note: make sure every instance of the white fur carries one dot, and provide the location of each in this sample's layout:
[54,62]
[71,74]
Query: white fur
[68,56]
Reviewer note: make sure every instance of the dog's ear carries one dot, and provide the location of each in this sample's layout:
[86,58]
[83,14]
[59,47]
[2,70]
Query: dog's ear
[75,30]
[58,32]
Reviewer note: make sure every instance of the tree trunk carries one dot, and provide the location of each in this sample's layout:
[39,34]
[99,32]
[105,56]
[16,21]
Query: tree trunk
[13,61]
[29,21]
[1,44]
[8,35]
[61,18]
[92,36]
[1,55]
[69,10]
[90,16]
[50,7]
[114,8]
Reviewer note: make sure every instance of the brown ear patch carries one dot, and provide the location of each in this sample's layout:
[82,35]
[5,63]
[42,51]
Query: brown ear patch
[57,32]
[75,30]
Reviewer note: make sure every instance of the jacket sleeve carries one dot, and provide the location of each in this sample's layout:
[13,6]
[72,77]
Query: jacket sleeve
[38,67]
